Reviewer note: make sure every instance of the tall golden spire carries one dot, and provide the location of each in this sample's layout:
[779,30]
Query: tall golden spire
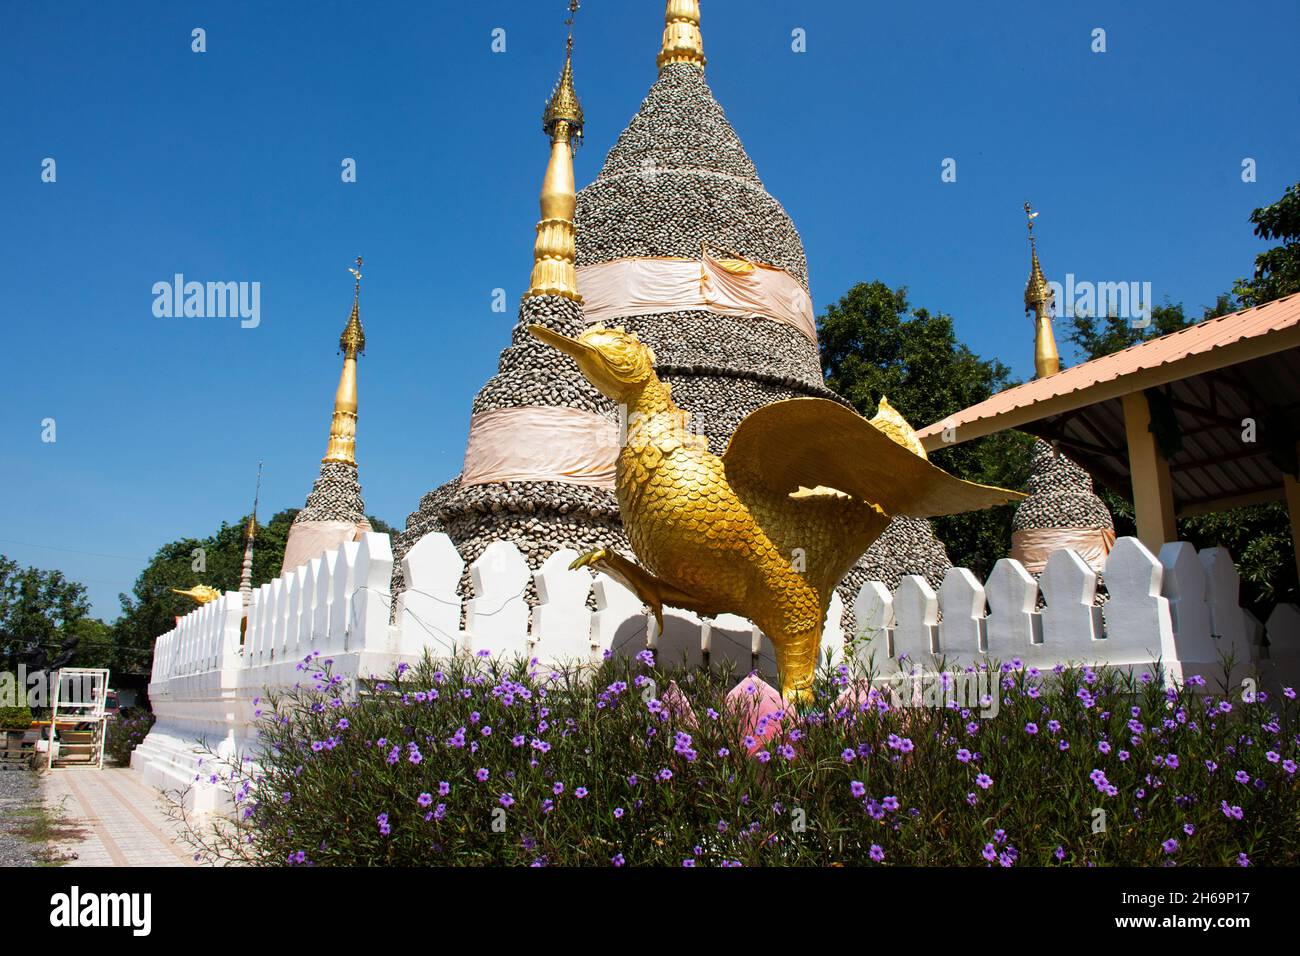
[555,252]
[682,40]
[343,426]
[1039,300]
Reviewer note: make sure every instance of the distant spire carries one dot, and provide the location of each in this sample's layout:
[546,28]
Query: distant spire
[682,40]
[343,426]
[246,575]
[1039,300]
[555,250]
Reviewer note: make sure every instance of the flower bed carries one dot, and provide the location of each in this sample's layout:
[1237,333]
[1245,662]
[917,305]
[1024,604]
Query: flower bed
[472,764]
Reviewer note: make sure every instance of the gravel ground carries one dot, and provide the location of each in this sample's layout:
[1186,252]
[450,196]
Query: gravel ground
[18,789]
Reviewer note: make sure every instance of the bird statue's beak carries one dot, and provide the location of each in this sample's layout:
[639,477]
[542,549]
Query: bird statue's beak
[565,344]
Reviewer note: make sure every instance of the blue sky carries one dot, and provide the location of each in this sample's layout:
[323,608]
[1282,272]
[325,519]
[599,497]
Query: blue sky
[225,166]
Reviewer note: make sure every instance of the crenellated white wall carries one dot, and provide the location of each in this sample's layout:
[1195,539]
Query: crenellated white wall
[1180,607]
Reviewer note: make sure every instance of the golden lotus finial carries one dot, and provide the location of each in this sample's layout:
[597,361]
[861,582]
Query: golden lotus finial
[767,530]
[200,593]
[562,119]
[683,42]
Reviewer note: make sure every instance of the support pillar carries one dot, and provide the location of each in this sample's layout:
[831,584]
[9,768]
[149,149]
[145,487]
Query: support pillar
[1153,490]
[1291,485]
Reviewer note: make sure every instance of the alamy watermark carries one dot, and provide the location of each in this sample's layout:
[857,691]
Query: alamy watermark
[1125,300]
[209,300]
[35,689]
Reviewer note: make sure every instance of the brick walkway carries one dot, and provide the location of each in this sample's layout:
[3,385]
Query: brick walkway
[124,821]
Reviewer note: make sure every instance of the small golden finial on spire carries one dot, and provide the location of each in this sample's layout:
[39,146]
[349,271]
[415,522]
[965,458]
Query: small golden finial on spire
[555,250]
[1040,300]
[343,425]
[353,340]
[682,40]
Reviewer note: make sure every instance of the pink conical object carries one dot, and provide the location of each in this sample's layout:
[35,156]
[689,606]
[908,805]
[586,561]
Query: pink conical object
[756,703]
[676,703]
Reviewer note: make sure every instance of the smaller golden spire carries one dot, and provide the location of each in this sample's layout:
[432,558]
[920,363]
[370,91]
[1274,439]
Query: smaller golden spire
[1040,301]
[246,572]
[555,250]
[343,426]
[683,42]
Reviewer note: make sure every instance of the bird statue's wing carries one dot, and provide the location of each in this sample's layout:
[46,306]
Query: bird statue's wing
[811,442]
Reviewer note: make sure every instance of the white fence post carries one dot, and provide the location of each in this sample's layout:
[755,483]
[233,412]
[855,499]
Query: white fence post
[1136,615]
[1183,586]
[1014,627]
[562,621]
[345,582]
[620,622]
[730,642]
[1072,623]
[428,611]
[1223,600]
[916,610]
[370,602]
[962,635]
[831,651]
[497,618]
[873,608]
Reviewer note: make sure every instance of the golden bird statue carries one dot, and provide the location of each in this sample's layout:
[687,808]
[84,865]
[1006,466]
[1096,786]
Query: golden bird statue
[769,529]
[200,593]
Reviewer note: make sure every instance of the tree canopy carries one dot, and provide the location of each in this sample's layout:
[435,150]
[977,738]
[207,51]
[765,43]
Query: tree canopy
[40,610]
[1277,270]
[874,345]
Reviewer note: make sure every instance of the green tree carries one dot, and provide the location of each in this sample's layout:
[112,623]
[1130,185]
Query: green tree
[1093,336]
[1277,270]
[38,608]
[874,345]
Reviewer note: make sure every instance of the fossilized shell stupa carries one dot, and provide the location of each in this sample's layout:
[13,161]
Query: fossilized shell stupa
[678,241]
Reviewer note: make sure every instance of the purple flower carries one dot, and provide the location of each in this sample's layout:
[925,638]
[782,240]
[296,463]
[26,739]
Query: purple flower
[482,774]
[580,792]
[1170,846]
[1031,728]
[506,800]
[1243,860]
[617,859]
[618,813]
[1231,812]
[989,852]
[847,755]
[876,853]
[384,828]
[984,781]
[425,800]
[963,755]
[857,788]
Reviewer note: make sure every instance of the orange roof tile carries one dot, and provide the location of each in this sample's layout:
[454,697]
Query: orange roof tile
[1214,343]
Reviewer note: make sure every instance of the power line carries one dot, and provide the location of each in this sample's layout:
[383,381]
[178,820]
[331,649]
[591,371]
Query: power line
[97,554]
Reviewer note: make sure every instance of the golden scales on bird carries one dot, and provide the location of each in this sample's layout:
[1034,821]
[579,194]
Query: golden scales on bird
[770,528]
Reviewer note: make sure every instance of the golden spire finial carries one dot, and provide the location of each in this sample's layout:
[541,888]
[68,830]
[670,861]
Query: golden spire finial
[1039,300]
[343,426]
[555,250]
[682,40]
[562,118]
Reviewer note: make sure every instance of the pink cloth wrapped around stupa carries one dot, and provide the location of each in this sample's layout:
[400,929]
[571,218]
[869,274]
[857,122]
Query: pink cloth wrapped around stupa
[541,443]
[311,539]
[1032,546]
[642,286]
